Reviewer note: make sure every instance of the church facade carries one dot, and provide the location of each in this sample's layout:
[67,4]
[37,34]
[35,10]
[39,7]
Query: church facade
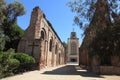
[73,48]
[42,42]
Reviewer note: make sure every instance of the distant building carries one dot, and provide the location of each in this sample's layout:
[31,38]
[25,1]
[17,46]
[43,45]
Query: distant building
[73,48]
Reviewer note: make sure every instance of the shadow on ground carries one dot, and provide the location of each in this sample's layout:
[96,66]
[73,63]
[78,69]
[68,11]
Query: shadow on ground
[72,70]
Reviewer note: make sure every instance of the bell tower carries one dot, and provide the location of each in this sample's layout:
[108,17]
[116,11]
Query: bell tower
[73,48]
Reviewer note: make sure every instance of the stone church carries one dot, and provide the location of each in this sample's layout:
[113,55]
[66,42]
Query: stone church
[42,42]
[73,48]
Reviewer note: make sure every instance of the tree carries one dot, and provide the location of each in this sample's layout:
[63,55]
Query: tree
[66,49]
[106,44]
[2,40]
[65,45]
[13,10]
[102,20]
[85,10]
[8,22]
[2,3]
[14,34]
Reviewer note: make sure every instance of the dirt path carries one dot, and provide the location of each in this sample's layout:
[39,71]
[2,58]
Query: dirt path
[64,72]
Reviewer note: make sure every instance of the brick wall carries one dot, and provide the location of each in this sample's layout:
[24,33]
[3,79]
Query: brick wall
[106,70]
[109,70]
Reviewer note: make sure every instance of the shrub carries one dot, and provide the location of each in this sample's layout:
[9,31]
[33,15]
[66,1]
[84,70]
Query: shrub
[26,61]
[7,64]
[24,58]
[13,64]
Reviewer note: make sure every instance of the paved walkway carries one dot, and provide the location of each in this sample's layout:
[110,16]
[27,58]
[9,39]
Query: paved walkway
[64,72]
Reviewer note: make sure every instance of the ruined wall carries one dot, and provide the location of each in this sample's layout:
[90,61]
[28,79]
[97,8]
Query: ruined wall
[41,41]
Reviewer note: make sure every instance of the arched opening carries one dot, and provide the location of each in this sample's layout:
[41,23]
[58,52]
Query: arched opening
[59,58]
[56,49]
[42,35]
[50,45]
[43,48]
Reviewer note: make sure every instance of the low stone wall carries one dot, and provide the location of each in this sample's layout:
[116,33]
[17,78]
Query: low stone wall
[107,70]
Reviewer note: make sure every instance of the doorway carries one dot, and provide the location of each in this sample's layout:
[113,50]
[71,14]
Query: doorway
[73,60]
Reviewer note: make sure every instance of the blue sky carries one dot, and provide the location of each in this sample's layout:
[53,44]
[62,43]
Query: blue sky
[56,11]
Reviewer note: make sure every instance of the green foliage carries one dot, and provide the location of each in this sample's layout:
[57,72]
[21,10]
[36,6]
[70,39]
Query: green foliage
[10,12]
[14,34]
[100,20]
[24,58]
[2,40]
[106,44]
[11,62]
[8,18]
[115,39]
[2,16]
[26,61]
[7,63]
[85,10]
[15,9]
[66,46]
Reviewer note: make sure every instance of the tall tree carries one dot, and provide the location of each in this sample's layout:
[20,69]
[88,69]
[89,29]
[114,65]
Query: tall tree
[14,34]
[2,40]
[66,46]
[85,10]
[2,16]
[98,18]
[8,22]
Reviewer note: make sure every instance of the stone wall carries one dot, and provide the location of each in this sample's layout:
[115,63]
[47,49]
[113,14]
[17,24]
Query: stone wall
[97,68]
[106,70]
[109,70]
[42,42]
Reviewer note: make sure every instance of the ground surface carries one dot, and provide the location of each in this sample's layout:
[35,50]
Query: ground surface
[64,72]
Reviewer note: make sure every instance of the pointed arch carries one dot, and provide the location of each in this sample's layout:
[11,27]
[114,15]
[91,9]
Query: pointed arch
[43,34]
